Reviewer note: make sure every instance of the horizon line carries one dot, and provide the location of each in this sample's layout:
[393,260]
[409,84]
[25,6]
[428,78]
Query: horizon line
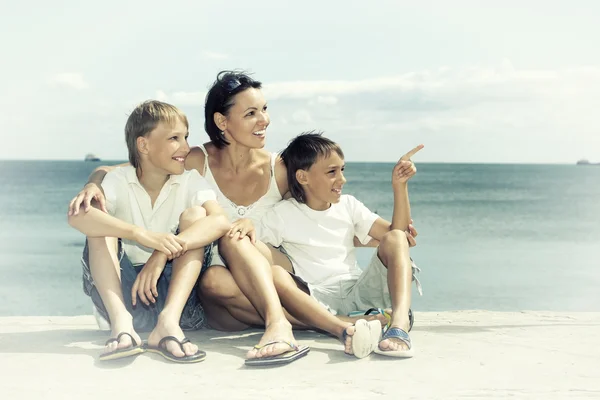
[349,161]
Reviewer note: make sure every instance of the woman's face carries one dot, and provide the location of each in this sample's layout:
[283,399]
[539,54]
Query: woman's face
[247,121]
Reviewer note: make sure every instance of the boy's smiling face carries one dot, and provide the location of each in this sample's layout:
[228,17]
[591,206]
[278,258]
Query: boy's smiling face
[167,147]
[323,181]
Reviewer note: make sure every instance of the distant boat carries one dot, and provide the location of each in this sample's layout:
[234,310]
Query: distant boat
[91,157]
[586,162]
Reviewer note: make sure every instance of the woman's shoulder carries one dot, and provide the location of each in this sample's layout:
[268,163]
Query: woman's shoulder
[196,158]
[280,172]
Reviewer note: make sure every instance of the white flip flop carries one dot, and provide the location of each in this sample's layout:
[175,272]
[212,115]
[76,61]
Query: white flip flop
[366,337]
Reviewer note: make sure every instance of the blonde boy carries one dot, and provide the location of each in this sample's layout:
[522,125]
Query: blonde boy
[151,239]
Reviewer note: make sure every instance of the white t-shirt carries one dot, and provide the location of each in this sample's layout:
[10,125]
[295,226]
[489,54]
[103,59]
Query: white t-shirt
[320,243]
[127,200]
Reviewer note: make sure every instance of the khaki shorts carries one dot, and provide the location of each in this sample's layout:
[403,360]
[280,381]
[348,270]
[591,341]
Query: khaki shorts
[369,290]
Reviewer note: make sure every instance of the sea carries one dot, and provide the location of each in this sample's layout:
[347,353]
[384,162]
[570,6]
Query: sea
[491,237]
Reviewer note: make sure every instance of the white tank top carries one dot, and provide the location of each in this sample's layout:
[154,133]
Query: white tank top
[255,210]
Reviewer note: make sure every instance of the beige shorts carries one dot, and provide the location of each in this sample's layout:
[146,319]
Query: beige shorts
[369,290]
[216,257]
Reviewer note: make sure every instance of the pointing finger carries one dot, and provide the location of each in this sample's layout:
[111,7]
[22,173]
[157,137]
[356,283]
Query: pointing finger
[411,153]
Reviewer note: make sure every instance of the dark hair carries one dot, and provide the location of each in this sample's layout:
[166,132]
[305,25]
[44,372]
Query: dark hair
[220,99]
[303,152]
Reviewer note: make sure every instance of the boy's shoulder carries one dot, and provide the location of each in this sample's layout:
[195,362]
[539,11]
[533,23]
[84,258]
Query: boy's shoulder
[286,205]
[293,204]
[189,175]
[351,206]
[348,200]
[118,175]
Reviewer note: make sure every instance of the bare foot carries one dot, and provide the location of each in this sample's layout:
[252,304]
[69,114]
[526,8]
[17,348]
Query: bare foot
[118,326]
[163,328]
[276,332]
[347,341]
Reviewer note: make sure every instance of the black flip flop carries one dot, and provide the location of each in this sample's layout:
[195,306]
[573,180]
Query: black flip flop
[124,352]
[287,357]
[162,350]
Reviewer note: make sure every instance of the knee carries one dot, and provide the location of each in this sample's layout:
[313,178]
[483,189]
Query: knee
[284,282]
[280,277]
[228,244]
[191,215]
[394,240]
[218,284]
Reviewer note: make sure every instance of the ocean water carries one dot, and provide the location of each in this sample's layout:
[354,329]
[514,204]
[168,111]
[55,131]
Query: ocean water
[494,237]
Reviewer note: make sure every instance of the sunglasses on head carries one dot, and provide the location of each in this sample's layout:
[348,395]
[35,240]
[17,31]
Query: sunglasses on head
[232,84]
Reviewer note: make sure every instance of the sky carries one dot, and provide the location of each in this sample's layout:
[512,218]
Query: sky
[474,81]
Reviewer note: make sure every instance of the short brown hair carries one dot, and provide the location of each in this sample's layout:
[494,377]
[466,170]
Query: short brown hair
[144,119]
[303,152]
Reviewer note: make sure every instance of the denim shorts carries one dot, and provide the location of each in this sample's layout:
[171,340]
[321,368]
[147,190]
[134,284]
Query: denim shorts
[145,317]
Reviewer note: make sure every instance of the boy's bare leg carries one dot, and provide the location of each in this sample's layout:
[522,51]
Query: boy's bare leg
[297,300]
[252,272]
[277,258]
[186,270]
[106,272]
[394,253]
[226,307]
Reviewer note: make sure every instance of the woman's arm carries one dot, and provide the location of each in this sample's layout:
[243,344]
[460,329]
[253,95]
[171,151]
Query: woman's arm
[92,191]
[281,178]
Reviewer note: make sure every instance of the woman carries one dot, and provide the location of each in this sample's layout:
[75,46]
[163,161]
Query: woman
[248,180]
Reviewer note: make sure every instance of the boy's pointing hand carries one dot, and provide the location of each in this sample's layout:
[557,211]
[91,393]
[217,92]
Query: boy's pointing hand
[405,168]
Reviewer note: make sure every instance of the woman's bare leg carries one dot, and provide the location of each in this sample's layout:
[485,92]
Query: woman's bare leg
[253,275]
[226,307]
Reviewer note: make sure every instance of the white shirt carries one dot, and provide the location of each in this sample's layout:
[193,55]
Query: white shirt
[127,200]
[320,243]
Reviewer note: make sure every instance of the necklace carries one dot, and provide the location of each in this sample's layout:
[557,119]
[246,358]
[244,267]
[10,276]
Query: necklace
[241,210]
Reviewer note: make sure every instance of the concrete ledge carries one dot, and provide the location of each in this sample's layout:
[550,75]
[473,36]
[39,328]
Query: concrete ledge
[463,354]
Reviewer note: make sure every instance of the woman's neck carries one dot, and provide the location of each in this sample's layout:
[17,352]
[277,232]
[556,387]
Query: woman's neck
[237,157]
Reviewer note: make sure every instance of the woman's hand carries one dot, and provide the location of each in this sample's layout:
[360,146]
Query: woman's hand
[90,192]
[243,227]
[411,234]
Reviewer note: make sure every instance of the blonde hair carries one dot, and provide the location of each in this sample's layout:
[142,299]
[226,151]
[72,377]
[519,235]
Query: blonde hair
[144,119]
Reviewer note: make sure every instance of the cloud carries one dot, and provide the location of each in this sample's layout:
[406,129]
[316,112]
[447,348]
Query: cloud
[442,90]
[325,100]
[550,113]
[182,98]
[69,80]
[211,55]
[444,87]
[302,117]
